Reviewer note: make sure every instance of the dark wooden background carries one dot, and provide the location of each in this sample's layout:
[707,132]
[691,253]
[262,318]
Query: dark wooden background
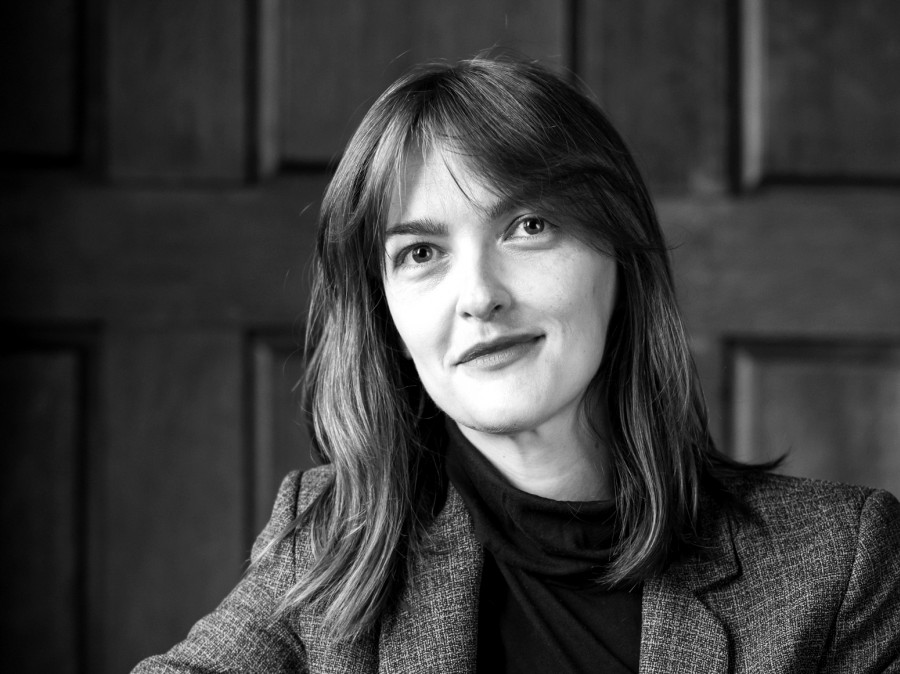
[163,165]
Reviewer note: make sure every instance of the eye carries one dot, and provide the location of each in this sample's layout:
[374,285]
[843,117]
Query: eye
[414,255]
[421,253]
[529,227]
[532,225]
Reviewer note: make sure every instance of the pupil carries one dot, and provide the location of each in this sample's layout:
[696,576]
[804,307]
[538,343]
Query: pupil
[421,253]
[534,226]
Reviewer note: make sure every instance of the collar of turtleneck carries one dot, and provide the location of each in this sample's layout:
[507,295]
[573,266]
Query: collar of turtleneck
[570,540]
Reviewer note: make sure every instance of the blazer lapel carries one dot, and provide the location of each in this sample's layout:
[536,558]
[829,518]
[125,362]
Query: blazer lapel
[435,625]
[680,632]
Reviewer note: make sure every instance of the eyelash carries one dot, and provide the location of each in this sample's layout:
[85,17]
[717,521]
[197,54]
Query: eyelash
[518,222]
[401,259]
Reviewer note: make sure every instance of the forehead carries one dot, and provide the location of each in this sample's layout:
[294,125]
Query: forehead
[435,179]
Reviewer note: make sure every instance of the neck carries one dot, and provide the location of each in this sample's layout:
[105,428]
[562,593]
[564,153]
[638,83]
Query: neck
[561,460]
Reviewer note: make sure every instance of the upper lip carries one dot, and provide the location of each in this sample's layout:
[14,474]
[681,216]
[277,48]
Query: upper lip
[493,345]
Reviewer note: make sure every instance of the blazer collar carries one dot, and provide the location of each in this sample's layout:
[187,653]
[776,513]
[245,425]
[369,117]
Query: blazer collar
[434,626]
[681,631]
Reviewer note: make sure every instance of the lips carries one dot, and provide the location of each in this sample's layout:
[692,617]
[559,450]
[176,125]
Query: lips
[497,345]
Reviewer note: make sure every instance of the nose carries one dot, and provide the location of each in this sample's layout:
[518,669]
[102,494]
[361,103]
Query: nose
[483,292]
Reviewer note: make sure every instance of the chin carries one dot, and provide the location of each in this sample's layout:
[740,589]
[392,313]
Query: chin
[498,422]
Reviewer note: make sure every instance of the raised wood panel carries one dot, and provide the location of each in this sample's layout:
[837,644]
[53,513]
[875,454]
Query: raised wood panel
[175,488]
[44,379]
[660,71]
[821,95]
[791,263]
[279,441]
[179,277]
[39,79]
[177,91]
[834,408]
[339,55]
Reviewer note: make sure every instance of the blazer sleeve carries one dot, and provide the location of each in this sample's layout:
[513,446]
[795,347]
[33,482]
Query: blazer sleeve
[241,634]
[867,629]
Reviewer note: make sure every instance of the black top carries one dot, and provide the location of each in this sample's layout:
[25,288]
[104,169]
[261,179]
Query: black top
[541,607]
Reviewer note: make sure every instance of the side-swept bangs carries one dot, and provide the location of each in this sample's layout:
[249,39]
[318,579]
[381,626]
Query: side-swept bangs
[532,137]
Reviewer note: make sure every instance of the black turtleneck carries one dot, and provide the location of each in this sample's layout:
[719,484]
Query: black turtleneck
[541,607]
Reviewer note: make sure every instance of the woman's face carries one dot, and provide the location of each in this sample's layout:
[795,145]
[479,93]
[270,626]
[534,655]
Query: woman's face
[503,311]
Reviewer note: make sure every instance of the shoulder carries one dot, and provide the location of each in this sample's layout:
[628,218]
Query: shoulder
[784,504]
[794,525]
[244,633]
[817,565]
[300,488]
[307,485]
[297,492]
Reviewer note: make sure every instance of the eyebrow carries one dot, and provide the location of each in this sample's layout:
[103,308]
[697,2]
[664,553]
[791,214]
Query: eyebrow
[501,207]
[429,227]
[423,227]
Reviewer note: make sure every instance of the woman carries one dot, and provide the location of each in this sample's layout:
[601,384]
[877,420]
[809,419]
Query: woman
[519,471]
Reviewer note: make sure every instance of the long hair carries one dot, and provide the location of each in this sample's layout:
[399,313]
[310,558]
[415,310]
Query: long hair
[535,139]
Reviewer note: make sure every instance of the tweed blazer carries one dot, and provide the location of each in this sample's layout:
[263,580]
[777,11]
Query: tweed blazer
[811,583]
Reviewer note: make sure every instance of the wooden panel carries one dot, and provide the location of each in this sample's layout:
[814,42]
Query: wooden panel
[39,71]
[174,487]
[835,408]
[42,502]
[179,277]
[659,70]
[156,257]
[792,263]
[280,442]
[177,90]
[827,95]
[339,55]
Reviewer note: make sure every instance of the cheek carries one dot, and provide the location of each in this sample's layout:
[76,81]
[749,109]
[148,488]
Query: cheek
[411,320]
[602,288]
[399,319]
[602,297]
[589,303]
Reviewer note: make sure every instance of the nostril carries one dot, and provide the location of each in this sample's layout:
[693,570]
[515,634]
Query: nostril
[482,290]
[482,309]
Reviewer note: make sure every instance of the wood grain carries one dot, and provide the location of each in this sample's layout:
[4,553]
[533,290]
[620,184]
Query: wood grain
[659,70]
[798,263]
[832,407]
[42,506]
[174,485]
[339,55]
[279,441]
[832,107]
[157,257]
[176,90]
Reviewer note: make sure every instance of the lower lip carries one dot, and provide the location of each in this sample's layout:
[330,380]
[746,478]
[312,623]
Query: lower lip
[506,356]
